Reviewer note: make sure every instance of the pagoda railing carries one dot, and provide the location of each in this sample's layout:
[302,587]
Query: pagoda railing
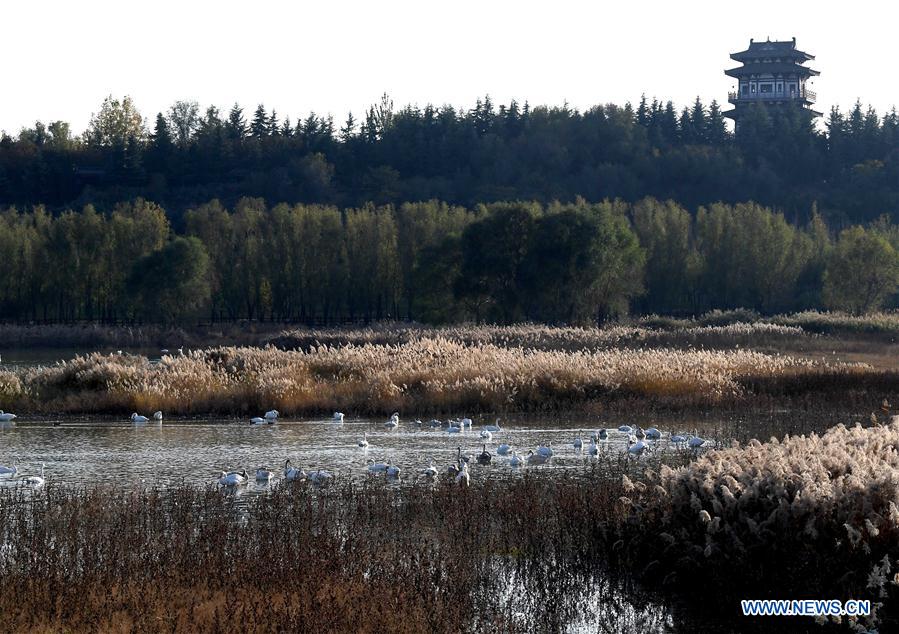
[804,94]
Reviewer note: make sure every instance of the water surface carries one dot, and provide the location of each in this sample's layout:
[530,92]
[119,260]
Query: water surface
[83,453]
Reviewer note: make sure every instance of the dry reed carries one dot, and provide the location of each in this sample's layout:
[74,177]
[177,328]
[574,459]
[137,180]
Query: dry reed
[806,517]
[421,375]
[519,556]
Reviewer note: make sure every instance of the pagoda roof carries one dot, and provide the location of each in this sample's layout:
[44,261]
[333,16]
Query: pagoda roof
[776,68]
[768,49]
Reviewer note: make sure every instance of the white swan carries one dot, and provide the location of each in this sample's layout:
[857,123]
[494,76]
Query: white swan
[338,417]
[319,477]
[138,419]
[393,422]
[515,460]
[593,448]
[257,420]
[637,448]
[377,467]
[504,449]
[35,481]
[494,427]
[263,474]
[364,442]
[463,478]
[430,471]
[695,442]
[466,422]
[578,444]
[536,458]
[679,440]
[486,435]
[6,417]
[292,474]
[547,451]
[627,429]
[233,478]
[452,429]
[157,416]
[272,415]
[392,471]
[653,433]
[10,471]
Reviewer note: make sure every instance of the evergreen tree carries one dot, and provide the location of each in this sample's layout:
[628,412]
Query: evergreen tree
[643,113]
[237,125]
[699,122]
[274,128]
[716,133]
[259,127]
[349,128]
[668,124]
[161,139]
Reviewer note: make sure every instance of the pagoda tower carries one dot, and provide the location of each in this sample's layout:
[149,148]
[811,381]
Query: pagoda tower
[772,74]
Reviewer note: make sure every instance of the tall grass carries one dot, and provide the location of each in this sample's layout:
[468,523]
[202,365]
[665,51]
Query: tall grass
[835,323]
[94,335]
[541,337]
[807,517]
[519,556]
[422,375]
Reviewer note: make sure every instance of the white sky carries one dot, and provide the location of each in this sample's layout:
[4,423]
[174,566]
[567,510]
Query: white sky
[60,59]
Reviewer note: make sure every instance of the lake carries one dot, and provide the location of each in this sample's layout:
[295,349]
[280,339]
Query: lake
[82,453]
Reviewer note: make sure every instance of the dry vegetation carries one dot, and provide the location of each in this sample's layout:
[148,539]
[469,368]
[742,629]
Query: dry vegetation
[712,329]
[93,335]
[805,517]
[353,558]
[421,375]
[677,334]
[884,324]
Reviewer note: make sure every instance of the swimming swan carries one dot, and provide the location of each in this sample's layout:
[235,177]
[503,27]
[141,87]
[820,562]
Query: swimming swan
[35,481]
[233,478]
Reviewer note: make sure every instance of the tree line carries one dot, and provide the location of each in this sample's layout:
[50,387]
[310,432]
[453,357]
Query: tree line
[465,156]
[573,263]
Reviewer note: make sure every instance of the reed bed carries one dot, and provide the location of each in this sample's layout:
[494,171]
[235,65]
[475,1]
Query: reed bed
[522,556]
[623,546]
[424,375]
[807,517]
[96,335]
[835,323]
[674,333]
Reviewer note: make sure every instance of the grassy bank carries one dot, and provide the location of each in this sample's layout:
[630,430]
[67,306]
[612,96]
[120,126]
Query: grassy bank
[92,336]
[713,329]
[539,337]
[428,375]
